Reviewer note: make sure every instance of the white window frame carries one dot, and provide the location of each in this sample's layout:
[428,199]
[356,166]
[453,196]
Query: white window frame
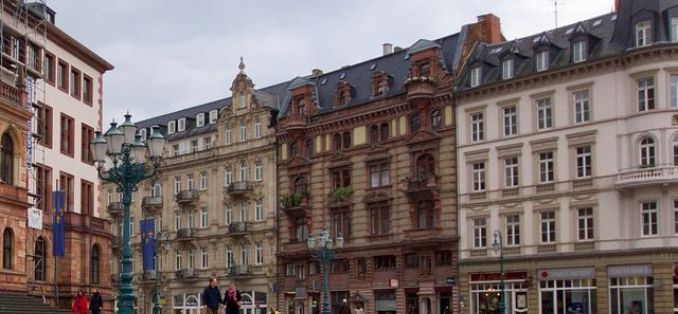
[648,152]
[200,119]
[177,260]
[257,129]
[510,119]
[176,150]
[585,223]
[480,233]
[204,218]
[194,145]
[259,253]
[542,61]
[477,127]
[181,124]
[177,221]
[204,258]
[634,283]
[204,180]
[583,160]
[478,171]
[177,185]
[243,212]
[649,219]
[259,171]
[191,182]
[511,172]
[142,133]
[228,177]
[582,106]
[214,115]
[476,76]
[156,190]
[228,136]
[230,257]
[507,69]
[548,227]
[673,92]
[243,132]
[259,211]
[191,259]
[512,230]
[244,171]
[579,51]
[242,101]
[171,127]
[643,34]
[544,113]
[546,167]
[644,87]
[244,255]
[228,214]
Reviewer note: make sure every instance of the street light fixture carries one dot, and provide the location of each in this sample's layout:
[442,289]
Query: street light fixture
[129,166]
[324,254]
[498,246]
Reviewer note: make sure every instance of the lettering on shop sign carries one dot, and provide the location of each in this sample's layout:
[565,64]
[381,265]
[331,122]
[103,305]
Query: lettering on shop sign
[629,270]
[497,276]
[566,273]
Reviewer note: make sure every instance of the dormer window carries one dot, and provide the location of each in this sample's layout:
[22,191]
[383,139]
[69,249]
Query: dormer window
[242,101]
[300,106]
[425,69]
[342,94]
[673,29]
[643,36]
[507,69]
[171,127]
[542,61]
[476,74]
[200,119]
[142,133]
[213,116]
[579,51]
[380,83]
[181,125]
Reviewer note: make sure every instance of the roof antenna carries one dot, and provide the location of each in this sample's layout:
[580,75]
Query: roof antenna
[556,3]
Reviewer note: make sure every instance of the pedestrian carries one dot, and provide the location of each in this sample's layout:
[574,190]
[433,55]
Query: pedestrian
[95,302]
[344,309]
[80,303]
[211,297]
[232,300]
[359,309]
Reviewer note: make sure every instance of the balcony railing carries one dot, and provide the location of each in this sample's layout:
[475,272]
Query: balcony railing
[239,270]
[239,188]
[187,196]
[152,205]
[647,175]
[421,188]
[185,273]
[185,233]
[10,93]
[114,209]
[237,228]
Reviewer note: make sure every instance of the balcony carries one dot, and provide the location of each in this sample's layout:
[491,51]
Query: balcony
[152,205]
[237,228]
[420,87]
[150,276]
[114,210]
[239,189]
[295,204]
[185,273]
[187,197]
[239,270]
[662,174]
[184,234]
[420,189]
[293,122]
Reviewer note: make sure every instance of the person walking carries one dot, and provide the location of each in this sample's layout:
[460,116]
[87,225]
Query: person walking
[232,300]
[211,297]
[96,303]
[80,303]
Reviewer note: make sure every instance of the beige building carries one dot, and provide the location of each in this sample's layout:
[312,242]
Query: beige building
[568,148]
[215,200]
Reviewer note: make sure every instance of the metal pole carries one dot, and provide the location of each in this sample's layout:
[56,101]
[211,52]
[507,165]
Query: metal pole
[325,261]
[126,297]
[156,302]
[502,305]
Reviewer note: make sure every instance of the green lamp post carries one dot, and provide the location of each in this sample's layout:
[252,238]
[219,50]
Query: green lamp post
[498,246]
[324,254]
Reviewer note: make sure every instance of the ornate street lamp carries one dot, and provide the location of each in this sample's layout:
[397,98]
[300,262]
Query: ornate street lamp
[498,246]
[129,166]
[324,254]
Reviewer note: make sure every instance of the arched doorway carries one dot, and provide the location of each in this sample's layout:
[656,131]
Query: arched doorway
[248,305]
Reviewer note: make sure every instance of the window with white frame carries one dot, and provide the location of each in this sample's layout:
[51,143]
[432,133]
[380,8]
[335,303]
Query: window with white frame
[228,176]
[200,119]
[259,253]
[476,75]
[228,136]
[228,214]
[673,32]
[181,124]
[204,258]
[643,34]
[257,129]
[259,211]
[156,191]
[109,197]
[548,227]
[191,182]
[191,259]
[646,95]
[582,106]
[171,127]
[650,218]
[675,150]
[510,120]
[579,51]
[542,61]
[203,217]
[242,101]
[674,90]
[214,114]
[243,211]
[230,260]
[478,176]
[203,180]
[544,113]
[513,230]
[647,152]
[244,255]
[194,146]
[477,127]
[243,132]
[142,133]
[177,260]
[633,294]
[207,142]
[585,224]
[511,172]
[479,233]
[191,221]
[244,170]
[177,221]
[175,150]
[583,159]
[546,174]
[258,170]
[177,185]
[507,69]
[675,216]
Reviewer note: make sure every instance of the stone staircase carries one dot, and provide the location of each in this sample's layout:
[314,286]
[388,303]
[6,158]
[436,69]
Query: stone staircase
[17,303]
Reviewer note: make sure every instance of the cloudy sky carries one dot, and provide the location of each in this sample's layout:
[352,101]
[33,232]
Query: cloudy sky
[170,55]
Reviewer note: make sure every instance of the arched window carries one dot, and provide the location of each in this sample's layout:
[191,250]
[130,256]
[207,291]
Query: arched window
[675,151]
[425,214]
[415,122]
[39,259]
[7,242]
[243,170]
[426,166]
[94,265]
[337,142]
[425,69]
[647,152]
[436,119]
[157,190]
[347,139]
[300,184]
[7,159]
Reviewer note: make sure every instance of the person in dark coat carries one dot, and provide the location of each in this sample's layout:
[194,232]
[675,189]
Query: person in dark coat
[233,300]
[211,297]
[96,304]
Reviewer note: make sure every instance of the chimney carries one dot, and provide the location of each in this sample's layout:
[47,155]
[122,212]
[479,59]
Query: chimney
[490,28]
[316,72]
[397,49]
[388,48]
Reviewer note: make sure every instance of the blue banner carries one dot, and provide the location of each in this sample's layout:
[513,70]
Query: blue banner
[59,225]
[148,242]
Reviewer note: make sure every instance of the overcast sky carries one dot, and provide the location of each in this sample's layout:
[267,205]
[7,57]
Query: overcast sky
[169,55]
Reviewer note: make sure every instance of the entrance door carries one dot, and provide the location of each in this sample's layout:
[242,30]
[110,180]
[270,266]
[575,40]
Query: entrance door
[248,306]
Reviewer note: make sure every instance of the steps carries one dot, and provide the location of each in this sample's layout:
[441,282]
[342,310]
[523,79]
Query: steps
[17,303]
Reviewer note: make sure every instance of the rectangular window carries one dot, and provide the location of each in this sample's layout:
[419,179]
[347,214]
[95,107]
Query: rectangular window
[191,183]
[258,171]
[513,230]
[87,90]
[579,51]
[43,187]
[207,142]
[67,135]
[674,91]
[411,260]
[384,262]
[66,185]
[643,34]
[542,61]
[585,224]
[380,221]
[230,259]
[243,132]
[582,106]
[479,177]
[181,124]
[177,260]
[650,218]
[259,253]
[86,136]
[244,255]
[632,294]
[510,121]
[228,177]
[204,258]
[75,83]
[476,75]
[228,138]
[380,174]
[646,94]
[203,181]
[203,217]
[257,129]
[191,261]
[583,161]
[62,76]
[177,221]
[546,167]
[171,127]
[175,150]
[507,69]
[194,146]
[544,113]
[548,227]
[48,68]
[511,172]
[228,213]
[86,197]
[673,24]
[142,133]
[479,233]
[43,121]
[243,211]
[200,119]
[214,114]
[259,211]
[444,258]
[341,177]
[477,128]
[177,185]
[341,224]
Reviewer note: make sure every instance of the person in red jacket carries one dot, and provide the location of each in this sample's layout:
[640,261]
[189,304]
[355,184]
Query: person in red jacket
[80,303]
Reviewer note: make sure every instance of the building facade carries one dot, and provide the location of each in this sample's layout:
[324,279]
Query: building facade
[567,150]
[63,85]
[214,202]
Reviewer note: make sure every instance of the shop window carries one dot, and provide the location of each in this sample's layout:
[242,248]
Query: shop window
[631,295]
[384,262]
[571,295]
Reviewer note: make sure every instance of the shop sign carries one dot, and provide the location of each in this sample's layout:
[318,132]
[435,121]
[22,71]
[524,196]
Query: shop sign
[521,275]
[34,218]
[629,271]
[566,273]
[451,280]
[393,283]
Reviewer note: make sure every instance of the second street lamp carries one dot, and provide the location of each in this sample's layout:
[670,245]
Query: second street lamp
[498,247]
[322,251]
[124,154]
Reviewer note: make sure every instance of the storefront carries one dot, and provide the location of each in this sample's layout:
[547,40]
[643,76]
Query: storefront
[486,292]
[631,289]
[187,303]
[567,290]
[385,301]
